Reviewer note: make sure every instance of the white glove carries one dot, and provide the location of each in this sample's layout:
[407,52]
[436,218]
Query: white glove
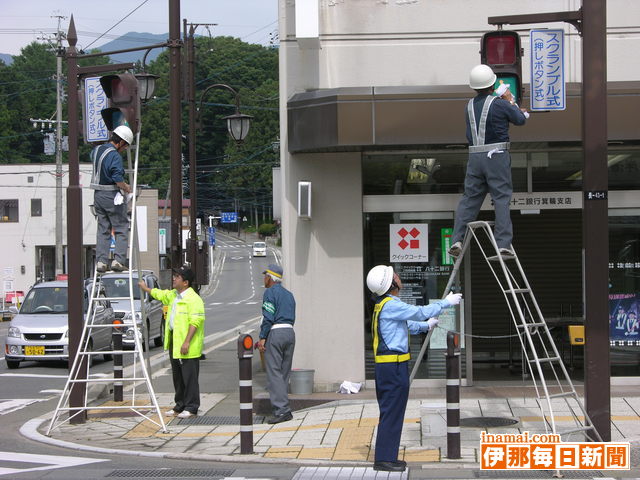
[432,322]
[453,298]
[118,199]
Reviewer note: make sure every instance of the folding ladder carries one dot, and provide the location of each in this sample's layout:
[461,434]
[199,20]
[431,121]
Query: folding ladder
[135,377]
[553,386]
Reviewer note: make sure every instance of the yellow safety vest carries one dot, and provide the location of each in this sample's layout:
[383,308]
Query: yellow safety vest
[393,358]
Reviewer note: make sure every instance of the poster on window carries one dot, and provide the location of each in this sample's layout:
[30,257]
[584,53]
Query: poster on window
[624,325]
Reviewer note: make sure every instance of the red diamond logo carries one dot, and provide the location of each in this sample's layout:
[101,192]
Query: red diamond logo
[414,243]
[403,244]
[414,232]
[402,232]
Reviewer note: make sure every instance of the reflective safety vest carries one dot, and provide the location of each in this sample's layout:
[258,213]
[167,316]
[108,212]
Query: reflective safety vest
[381,352]
[478,132]
[97,169]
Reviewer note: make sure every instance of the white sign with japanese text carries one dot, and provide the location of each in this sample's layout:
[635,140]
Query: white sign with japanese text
[408,242]
[94,102]
[548,90]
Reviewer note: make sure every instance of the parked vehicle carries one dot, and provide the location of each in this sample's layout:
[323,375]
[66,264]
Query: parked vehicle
[259,249]
[40,330]
[117,285]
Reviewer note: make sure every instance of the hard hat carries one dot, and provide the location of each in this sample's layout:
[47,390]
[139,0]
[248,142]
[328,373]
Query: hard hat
[379,279]
[124,133]
[481,76]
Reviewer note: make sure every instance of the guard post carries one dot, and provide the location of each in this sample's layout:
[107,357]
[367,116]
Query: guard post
[453,395]
[116,337]
[245,356]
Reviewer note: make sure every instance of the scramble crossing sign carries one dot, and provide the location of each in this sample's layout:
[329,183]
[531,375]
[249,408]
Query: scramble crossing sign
[408,242]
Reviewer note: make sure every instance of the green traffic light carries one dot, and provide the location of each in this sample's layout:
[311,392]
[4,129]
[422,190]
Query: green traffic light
[513,83]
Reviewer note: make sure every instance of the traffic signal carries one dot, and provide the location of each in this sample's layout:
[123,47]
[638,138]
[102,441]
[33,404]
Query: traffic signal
[501,50]
[124,101]
[245,346]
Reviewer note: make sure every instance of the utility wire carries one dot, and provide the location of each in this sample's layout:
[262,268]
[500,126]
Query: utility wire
[117,23]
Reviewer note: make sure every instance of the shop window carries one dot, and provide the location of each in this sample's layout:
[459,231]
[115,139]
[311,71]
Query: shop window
[36,207]
[9,210]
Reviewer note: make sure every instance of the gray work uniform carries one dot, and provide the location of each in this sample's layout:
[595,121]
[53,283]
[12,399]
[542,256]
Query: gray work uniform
[278,317]
[107,170]
[489,165]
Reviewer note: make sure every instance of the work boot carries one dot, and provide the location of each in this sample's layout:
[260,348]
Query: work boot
[101,267]
[456,249]
[284,417]
[506,252]
[116,266]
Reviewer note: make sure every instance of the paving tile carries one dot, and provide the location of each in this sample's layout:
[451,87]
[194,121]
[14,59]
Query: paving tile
[320,453]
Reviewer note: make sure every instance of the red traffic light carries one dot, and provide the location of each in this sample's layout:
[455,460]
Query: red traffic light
[501,50]
[124,101]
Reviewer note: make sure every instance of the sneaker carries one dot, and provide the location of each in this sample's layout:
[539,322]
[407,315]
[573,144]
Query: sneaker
[186,414]
[456,249]
[506,252]
[101,267]
[116,266]
[170,413]
[285,417]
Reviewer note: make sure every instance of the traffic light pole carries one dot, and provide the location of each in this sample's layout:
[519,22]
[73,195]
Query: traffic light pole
[591,23]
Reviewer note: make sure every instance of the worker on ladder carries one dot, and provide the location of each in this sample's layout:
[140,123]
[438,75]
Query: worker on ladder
[109,199]
[489,165]
[392,322]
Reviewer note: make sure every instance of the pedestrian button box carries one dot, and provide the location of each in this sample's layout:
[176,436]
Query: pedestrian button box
[576,334]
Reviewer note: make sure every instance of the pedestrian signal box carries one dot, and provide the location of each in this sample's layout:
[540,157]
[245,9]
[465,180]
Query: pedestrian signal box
[501,50]
[124,101]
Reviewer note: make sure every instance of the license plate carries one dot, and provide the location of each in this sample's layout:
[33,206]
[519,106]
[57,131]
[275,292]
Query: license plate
[34,350]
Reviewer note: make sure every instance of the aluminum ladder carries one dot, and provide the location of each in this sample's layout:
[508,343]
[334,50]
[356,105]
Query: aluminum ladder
[135,377]
[552,383]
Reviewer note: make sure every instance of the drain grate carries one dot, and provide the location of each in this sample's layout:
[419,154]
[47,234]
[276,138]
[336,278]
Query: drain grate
[515,474]
[170,473]
[487,422]
[216,420]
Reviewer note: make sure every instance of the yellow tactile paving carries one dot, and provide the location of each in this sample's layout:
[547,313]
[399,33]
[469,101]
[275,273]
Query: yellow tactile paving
[421,456]
[325,453]
[344,423]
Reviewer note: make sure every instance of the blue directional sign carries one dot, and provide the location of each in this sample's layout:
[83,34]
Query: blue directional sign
[229,217]
[212,236]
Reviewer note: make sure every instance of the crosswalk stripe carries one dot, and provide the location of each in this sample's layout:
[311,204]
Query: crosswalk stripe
[49,462]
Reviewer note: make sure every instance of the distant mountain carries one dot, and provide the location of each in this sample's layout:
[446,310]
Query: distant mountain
[133,40]
[6,58]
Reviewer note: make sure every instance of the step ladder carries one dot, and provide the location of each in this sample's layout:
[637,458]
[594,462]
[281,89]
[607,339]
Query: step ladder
[138,392]
[541,359]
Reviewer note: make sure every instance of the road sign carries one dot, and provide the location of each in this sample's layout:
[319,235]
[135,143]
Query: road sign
[548,90]
[229,217]
[212,236]
[408,242]
[95,101]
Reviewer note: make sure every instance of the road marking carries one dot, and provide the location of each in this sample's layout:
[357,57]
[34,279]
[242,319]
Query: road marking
[32,375]
[52,390]
[8,406]
[49,462]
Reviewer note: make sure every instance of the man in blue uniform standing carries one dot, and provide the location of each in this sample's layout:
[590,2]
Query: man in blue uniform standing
[489,165]
[392,322]
[277,341]
[107,181]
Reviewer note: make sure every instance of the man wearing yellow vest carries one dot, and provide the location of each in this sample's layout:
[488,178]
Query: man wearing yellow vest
[392,322]
[184,338]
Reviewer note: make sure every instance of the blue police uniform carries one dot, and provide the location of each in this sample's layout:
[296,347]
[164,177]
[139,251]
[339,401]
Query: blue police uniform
[392,322]
[489,165]
[107,171]
[278,317]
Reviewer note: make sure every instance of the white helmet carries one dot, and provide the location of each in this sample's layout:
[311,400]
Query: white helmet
[124,133]
[379,279]
[481,76]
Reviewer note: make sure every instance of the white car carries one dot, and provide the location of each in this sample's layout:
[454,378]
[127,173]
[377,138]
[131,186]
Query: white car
[259,249]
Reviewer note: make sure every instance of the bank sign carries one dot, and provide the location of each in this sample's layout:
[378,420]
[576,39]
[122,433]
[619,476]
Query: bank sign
[548,90]
[408,242]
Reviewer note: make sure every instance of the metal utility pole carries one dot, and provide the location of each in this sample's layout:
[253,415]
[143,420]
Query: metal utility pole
[591,22]
[59,93]
[175,132]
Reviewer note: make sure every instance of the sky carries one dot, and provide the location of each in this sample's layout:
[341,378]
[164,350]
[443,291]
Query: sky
[22,22]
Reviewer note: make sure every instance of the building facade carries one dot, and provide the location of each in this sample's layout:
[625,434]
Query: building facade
[371,90]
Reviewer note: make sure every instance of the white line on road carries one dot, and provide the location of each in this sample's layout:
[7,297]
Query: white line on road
[49,462]
[32,375]
[8,406]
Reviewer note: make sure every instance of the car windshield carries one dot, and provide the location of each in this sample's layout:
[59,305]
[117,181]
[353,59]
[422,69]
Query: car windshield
[119,287]
[259,245]
[45,300]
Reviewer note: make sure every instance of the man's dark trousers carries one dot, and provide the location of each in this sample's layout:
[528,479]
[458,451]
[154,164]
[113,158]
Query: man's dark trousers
[392,392]
[185,383]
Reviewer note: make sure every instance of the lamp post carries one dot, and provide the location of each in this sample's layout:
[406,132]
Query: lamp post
[238,125]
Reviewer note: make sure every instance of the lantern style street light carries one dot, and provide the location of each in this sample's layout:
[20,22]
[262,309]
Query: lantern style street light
[237,124]
[146,85]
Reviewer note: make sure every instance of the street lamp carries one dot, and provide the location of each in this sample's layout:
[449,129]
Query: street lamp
[237,124]
[146,85]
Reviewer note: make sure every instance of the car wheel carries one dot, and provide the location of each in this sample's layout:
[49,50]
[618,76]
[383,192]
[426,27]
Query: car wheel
[12,364]
[158,341]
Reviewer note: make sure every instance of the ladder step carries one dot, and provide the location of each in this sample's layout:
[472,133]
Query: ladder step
[535,324]
[110,325]
[563,394]
[110,352]
[518,290]
[111,299]
[108,380]
[545,360]
[495,258]
[112,407]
